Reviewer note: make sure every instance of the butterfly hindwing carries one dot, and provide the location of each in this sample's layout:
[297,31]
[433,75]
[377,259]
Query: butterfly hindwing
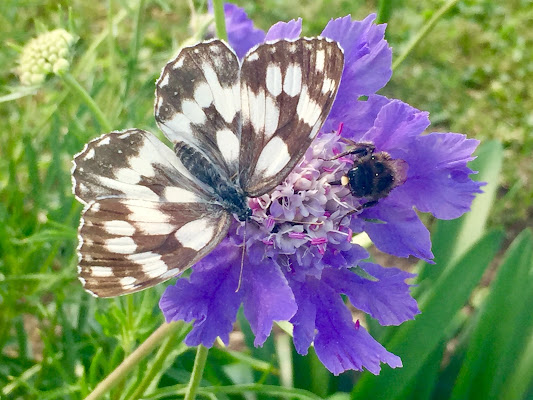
[198,102]
[128,245]
[287,90]
[146,218]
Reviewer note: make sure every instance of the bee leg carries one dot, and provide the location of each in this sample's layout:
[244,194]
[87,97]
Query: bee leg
[359,209]
[360,149]
[369,204]
[354,211]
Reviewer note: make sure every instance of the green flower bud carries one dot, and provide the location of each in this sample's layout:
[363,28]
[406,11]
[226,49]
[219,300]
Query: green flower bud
[46,54]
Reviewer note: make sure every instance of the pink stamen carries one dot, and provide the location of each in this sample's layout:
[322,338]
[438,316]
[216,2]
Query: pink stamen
[327,214]
[297,235]
[268,242]
[319,240]
[327,169]
[350,234]
[346,160]
[357,324]
[270,222]
[339,129]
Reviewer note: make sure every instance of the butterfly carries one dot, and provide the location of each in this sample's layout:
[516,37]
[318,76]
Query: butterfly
[238,129]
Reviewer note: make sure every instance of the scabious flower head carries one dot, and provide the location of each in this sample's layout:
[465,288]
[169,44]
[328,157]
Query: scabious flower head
[48,53]
[299,257]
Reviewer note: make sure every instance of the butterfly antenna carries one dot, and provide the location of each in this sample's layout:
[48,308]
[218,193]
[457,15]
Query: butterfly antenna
[242,257]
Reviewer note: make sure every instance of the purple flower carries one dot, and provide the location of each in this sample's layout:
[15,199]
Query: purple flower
[298,257]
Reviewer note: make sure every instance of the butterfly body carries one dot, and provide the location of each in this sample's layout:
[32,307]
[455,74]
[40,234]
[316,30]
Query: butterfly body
[238,128]
[225,192]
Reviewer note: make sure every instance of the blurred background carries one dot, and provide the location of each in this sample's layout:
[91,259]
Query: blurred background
[473,71]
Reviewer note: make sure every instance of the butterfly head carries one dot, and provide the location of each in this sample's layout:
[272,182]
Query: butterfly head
[244,215]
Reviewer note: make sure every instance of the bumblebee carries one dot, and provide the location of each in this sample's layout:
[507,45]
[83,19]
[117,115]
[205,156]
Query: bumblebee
[373,175]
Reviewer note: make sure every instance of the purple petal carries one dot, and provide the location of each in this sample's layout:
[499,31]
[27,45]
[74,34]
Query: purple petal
[304,319]
[353,349]
[347,258]
[396,125]
[398,230]
[357,119]
[242,35]
[438,178]
[285,30]
[339,343]
[367,58]
[386,298]
[208,297]
[267,298]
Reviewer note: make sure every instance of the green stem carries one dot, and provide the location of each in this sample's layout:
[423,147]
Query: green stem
[384,11]
[160,358]
[135,45]
[73,84]
[134,359]
[197,372]
[111,40]
[220,20]
[422,33]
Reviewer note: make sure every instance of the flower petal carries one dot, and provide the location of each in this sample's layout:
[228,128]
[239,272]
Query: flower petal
[357,119]
[285,30]
[438,178]
[208,297]
[367,58]
[396,124]
[398,230]
[304,319]
[267,298]
[339,343]
[386,298]
[242,35]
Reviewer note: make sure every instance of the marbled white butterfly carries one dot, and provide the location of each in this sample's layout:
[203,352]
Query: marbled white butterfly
[238,129]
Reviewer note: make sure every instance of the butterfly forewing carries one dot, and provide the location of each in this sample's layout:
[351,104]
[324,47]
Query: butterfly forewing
[132,164]
[198,102]
[287,90]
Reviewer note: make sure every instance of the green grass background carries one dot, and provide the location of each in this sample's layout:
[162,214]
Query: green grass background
[473,72]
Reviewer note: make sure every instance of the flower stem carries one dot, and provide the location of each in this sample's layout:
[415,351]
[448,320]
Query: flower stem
[423,32]
[220,20]
[197,372]
[164,352]
[73,84]
[133,359]
[384,11]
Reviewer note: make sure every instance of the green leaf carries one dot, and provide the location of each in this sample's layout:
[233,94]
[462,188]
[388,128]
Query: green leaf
[417,339]
[503,329]
[428,376]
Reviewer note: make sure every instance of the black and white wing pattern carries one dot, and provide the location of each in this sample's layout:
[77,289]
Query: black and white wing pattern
[287,90]
[145,219]
[238,129]
[198,102]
